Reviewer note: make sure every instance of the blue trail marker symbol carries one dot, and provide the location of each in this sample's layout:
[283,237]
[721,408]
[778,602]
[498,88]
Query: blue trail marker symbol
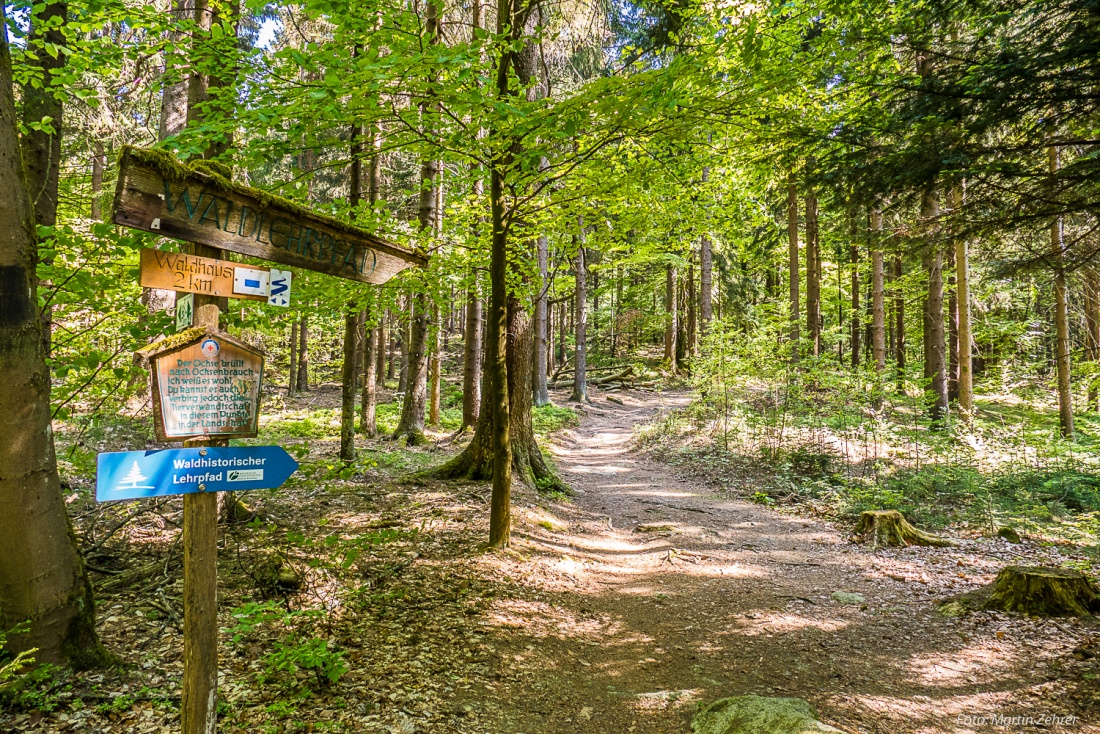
[127,475]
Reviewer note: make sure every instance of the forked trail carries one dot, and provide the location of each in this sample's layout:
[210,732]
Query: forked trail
[656,594]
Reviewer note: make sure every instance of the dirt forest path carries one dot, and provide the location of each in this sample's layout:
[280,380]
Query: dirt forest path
[658,594]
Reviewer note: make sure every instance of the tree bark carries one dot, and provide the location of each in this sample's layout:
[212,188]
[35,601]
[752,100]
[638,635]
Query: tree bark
[580,321]
[813,276]
[857,314]
[936,355]
[541,393]
[471,367]
[878,296]
[42,576]
[42,148]
[348,382]
[368,423]
[1061,315]
[899,325]
[792,250]
[1092,327]
[689,298]
[672,319]
[292,380]
[173,100]
[99,162]
[706,286]
[952,329]
[962,284]
[410,428]
[303,354]
[434,368]
[385,361]
[411,425]
[496,336]
[43,104]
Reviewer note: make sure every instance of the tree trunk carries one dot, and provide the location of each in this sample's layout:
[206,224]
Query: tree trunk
[434,368]
[541,393]
[813,276]
[368,404]
[966,374]
[878,296]
[1092,325]
[792,250]
[401,335]
[952,330]
[899,325]
[936,355]
[303,354]
[497,389]
[672,319]
[689,331]
[348,381]
[99,162]
[562,308]
[580,321]
[173,100]
[1061,316]
[292,381]
[384,368]
[42,576]
[857,315]
[476,460]
[42,147]
[411,425]
[471,367]
[352,350]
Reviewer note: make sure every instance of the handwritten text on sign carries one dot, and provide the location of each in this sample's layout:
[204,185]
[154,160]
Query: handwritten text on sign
[179,272]
[208,388]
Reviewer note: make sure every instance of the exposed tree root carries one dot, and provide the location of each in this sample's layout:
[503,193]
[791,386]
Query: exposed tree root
[1033,590]
[235,511]
[888,527]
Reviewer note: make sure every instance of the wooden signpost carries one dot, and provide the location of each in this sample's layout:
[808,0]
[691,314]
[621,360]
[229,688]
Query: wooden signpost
[174,201]
[207,384]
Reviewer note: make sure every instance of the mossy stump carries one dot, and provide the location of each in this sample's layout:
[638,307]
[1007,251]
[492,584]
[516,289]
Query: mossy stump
[888,527]
[1034,590]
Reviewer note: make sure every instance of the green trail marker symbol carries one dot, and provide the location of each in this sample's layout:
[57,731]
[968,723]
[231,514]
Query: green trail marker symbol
[185,309]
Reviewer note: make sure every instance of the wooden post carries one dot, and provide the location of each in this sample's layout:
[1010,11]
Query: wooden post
[198,709]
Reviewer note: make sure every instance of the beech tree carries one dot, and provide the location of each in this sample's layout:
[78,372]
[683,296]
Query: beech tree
[42,577]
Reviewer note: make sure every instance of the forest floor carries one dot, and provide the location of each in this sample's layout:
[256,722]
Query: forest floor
[617,611]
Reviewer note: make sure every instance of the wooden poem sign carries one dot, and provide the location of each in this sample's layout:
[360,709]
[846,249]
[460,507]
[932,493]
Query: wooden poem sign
[158,194]
[205,383]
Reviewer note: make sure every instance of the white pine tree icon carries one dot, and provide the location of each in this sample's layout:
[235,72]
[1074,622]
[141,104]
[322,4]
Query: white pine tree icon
[130,481]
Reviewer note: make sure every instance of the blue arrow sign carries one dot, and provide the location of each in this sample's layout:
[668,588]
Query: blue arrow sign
[127,475]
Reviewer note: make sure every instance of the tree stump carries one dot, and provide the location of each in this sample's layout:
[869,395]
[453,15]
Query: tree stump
[888,527]
[1035,590]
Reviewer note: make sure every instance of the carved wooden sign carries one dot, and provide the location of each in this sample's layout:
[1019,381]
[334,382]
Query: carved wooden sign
[205,383]
[174,201]
[176,271]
